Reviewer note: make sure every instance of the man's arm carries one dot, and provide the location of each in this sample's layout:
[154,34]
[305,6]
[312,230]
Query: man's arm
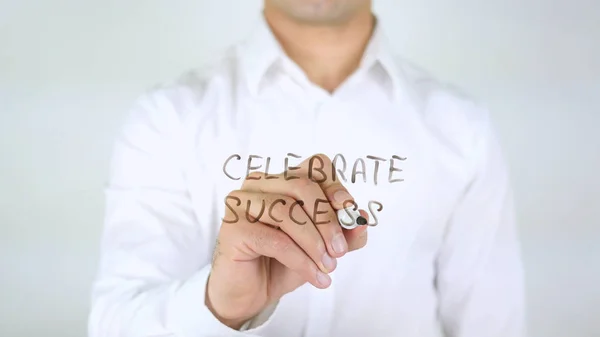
[155,257]
[480,275]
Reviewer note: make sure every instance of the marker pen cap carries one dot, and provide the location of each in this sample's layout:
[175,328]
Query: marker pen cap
[350,219]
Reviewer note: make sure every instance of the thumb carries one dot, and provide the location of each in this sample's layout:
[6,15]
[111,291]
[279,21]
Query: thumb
[357,237]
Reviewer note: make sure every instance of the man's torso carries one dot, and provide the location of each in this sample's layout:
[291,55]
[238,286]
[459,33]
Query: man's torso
[419,128]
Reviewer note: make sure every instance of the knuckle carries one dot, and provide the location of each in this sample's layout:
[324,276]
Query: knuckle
[303,229]
[334,229]
[321,248]
[307,265]
[287,201]
[281,243]
[260,238]
[298,187]
[323,157]
[252,178]
[301,183]
[334,187]
[235,194]
[267,199]
[255,175]
[282,209]
[283,201]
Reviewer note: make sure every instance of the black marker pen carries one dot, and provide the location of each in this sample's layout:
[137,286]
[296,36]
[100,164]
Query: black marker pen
[350,219]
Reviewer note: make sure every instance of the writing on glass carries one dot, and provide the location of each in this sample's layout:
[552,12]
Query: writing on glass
[316,172]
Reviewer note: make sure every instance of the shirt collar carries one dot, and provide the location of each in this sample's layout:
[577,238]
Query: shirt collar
[262,50]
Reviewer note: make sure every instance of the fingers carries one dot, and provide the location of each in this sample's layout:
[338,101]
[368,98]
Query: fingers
[314,202]
[357,237]
[286,213]
[262,240]
[320,169]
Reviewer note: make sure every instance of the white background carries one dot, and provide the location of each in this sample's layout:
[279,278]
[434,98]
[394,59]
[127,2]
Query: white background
[70,69]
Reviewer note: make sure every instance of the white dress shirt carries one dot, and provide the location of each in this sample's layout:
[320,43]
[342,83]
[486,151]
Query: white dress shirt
[443,259]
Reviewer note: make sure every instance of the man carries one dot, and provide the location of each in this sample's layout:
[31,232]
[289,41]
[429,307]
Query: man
[225,187]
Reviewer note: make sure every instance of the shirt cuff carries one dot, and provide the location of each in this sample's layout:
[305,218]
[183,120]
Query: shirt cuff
[260,319]
[189,316]
[246,326]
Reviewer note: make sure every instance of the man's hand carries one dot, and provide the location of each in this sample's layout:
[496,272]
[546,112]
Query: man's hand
[273,246]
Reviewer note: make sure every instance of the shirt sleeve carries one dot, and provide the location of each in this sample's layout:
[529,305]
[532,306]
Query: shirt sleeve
[479,270]
[155,256]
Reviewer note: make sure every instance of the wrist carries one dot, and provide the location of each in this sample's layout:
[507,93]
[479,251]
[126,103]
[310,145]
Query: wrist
[234,323]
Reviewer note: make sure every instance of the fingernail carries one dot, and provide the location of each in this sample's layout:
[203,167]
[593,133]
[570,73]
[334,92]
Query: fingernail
[328,262]
[339,244]
[323,279]
[341,196]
